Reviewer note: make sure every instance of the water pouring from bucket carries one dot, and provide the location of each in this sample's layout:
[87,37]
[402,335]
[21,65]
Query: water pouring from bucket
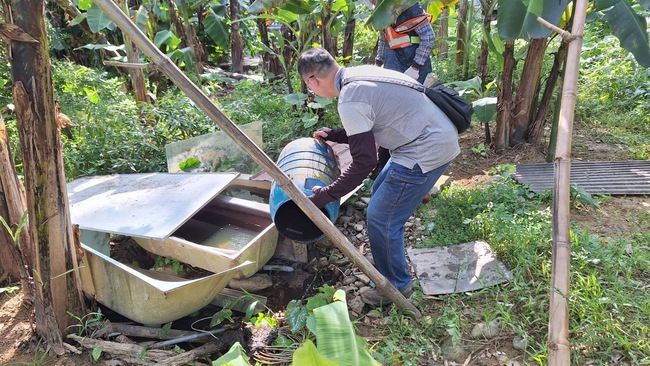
[308,162]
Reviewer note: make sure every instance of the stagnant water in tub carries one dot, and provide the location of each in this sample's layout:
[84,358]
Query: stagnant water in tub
[230,237]
[216,235]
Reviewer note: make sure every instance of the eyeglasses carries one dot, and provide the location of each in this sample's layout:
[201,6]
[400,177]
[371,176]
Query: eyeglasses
[310,92]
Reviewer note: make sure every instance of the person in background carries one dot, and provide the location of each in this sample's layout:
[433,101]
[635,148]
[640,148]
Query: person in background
[421,138]
[406,45]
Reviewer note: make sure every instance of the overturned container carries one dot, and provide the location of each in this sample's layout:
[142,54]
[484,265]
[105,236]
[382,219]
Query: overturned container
[308,162]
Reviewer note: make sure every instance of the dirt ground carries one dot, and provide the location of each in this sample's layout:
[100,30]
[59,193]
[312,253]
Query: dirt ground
[18,345]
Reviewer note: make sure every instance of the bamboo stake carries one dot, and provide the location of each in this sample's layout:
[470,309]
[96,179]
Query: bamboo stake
[211,110]
[558,329]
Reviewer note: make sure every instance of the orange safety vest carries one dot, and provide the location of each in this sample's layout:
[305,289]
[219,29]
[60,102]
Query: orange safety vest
[398,36]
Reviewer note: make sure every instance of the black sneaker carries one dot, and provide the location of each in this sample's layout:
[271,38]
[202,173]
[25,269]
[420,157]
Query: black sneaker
[375,297]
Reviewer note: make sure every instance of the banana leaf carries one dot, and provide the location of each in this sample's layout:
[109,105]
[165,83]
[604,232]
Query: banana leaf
[335,339]
[632,31]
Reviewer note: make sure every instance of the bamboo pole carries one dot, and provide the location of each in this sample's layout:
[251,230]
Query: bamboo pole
[558,329]
[211,110]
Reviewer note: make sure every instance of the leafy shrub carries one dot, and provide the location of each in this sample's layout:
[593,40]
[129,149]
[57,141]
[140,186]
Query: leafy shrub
[113,134]
[283,121]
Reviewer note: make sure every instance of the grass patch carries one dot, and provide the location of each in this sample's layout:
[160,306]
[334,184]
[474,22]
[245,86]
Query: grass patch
[608,302]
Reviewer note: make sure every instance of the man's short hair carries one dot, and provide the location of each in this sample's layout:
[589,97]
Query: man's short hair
[317,62]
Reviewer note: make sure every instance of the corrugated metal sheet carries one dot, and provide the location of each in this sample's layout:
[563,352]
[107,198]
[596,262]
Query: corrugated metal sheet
[596,177]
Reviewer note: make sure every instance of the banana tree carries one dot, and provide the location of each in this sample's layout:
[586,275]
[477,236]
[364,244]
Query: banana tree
[301,24]
[517,19]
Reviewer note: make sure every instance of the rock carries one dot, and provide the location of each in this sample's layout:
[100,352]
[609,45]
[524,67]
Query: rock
[360,205]
[364,289]
[519,343]
[362,277]
[253,284]
[356,304]
[344,220]
[452,352]
[340,262]
[374,314]
[358,227]
[348,280]
[487,331]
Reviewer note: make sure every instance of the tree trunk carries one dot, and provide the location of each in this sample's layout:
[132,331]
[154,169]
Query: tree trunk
[56,290]
[443,32]
[192,40]
[329,41]
[523,107]
[177,22]
[505,99]
[486,9]
[536,130]
[12,208]
[348,40]
[461,33]
[288,54]
[133,56]
[236,46]
[271,62]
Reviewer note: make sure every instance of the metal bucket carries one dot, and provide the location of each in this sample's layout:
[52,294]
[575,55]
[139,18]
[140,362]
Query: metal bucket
[308,162]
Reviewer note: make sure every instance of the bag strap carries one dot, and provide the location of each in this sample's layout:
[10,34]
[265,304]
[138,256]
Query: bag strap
[384,79]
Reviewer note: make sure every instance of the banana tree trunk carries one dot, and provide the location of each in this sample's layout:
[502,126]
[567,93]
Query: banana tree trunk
[461,33]
[558,329]
[486,10]
[192,40]
[536,129]
[523,107]
[271,62]
[284,182]
[329,41]
[12,209]
[236,46]
[133,56]
[505,99]
[348,40]
[442,33]
[56,282]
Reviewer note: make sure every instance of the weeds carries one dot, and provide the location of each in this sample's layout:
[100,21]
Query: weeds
[87,324]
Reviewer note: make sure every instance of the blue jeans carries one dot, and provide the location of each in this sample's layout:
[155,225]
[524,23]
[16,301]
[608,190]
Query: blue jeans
[397,193]
[402,59]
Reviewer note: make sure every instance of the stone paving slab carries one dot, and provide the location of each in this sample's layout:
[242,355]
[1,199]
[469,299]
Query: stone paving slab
[458,268]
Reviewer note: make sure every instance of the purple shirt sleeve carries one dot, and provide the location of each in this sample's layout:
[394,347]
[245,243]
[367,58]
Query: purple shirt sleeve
[364,160]
[335,134]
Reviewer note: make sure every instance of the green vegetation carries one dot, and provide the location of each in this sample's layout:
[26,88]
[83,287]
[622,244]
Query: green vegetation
[609,305]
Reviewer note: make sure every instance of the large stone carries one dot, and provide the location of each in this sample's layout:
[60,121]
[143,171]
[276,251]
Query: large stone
[253,284]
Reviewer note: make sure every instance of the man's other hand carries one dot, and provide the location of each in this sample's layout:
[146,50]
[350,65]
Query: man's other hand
[412,72]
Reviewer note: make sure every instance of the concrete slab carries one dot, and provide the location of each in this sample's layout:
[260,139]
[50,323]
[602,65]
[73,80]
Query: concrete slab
[458,268]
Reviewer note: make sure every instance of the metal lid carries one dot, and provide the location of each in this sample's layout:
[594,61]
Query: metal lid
[150,205]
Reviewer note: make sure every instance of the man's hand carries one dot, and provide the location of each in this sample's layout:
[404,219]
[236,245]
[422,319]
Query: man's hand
[320,135]
[319,197]
[412,72]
